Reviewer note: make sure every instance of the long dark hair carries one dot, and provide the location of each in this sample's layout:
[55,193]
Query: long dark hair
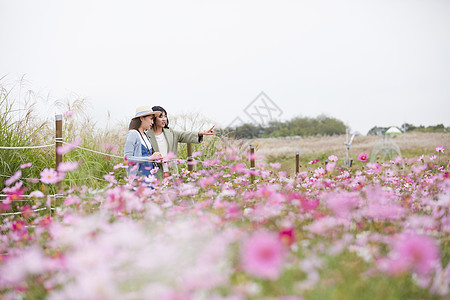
[159,108]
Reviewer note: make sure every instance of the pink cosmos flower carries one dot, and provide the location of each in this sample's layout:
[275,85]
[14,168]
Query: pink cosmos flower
[14,193]
[197,153]
[333,158]
[261,165]
[440,149]
[319,172]
[110,177]
[13,178]
[342,204]
[49,176]
[192,162]
[398,160]
[363,156]
[69,146]
[433,157]
[330,167]
[71,200]
[413,252]
[211,162]
[206,181]
[233,211]
[27,212]
[110,148]
[239,167]
[275,165]
[120,166]
[169,157]
[27,165]
[373,168]
[262,255]
[325,225]
[253,156]
[309,204]
[37,194]
[67,166]
[68,114]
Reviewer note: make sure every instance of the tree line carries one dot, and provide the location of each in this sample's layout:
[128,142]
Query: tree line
[298,126]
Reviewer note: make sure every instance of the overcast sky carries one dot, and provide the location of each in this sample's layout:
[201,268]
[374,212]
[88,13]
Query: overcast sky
[365,62]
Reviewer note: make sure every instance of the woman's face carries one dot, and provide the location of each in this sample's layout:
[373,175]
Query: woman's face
[161,120]
[147,122]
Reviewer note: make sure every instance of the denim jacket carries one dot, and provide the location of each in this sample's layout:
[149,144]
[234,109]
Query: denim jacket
[133,150]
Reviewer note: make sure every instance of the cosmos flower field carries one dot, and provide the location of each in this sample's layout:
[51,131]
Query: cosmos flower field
[376,232]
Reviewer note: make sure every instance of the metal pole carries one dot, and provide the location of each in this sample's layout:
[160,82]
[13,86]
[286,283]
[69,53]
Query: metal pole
[189,157]
[297,163]
[252,163]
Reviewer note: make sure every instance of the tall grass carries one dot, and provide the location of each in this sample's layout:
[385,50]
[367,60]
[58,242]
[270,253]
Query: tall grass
[21,132]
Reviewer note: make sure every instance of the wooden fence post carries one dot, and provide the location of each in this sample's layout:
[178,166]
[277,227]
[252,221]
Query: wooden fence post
[252,163]
[297,163]
[189,157]
[58,143]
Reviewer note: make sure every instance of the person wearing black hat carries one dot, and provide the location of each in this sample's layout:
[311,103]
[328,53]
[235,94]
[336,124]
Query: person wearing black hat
[165,139]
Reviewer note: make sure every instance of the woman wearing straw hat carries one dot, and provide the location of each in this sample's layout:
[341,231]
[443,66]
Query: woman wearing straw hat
[165,139]
[138,148]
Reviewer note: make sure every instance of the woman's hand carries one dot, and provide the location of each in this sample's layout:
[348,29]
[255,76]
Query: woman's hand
[155,156]
[208,132]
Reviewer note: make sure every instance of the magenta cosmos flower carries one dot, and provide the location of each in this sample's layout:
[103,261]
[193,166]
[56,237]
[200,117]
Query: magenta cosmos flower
[363,156]
[262,255]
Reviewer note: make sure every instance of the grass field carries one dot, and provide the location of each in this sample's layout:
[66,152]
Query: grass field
[283,149]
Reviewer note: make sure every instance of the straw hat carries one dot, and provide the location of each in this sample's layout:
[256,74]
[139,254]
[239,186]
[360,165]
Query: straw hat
[143,111]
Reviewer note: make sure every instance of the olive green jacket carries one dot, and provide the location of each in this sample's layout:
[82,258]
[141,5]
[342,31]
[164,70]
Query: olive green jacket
[173,137]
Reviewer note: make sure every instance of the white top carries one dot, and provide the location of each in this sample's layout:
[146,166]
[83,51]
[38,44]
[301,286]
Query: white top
[163,146]
[145,141]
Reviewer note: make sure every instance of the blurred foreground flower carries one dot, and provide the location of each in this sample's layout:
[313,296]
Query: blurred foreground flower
[413,252]
[263,255]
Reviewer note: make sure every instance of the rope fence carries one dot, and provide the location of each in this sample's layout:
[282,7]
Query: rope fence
[19,212]
[94,151]
[27,147]
[55,196]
